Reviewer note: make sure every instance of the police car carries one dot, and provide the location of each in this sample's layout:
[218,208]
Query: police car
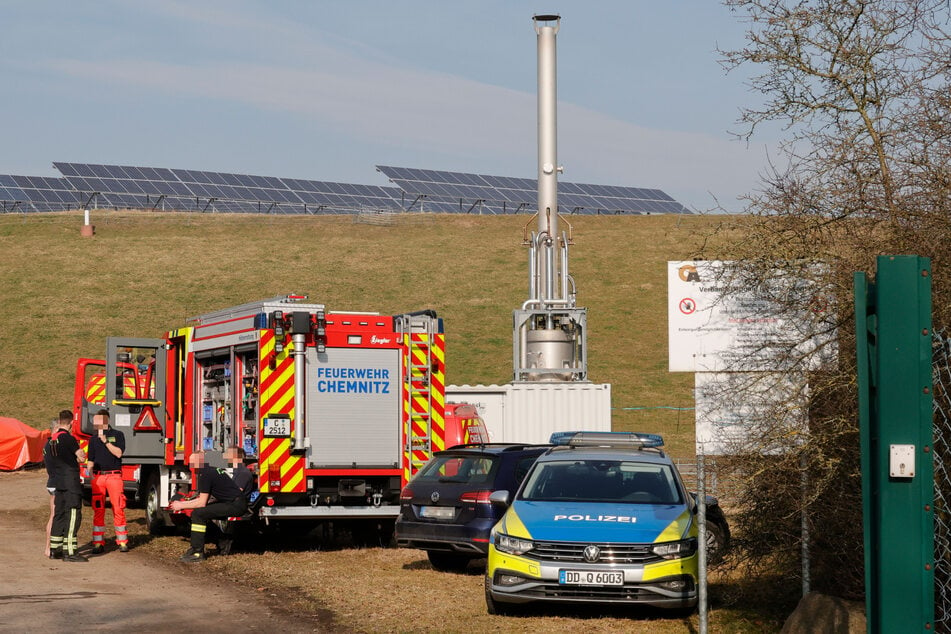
[602,517]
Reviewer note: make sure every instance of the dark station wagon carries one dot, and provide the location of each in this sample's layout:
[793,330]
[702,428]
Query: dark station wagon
[445,508]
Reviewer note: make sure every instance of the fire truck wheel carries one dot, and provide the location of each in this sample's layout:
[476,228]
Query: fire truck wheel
[154,516]
[385,533]
[370,534]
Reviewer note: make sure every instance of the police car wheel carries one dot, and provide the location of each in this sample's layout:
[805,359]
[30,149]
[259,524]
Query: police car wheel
[716,543]
[495,607]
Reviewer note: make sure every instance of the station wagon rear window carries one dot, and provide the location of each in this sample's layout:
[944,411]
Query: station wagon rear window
[458,469]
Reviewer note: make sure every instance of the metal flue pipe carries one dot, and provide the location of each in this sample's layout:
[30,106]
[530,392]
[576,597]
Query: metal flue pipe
[300,392]
[546,28]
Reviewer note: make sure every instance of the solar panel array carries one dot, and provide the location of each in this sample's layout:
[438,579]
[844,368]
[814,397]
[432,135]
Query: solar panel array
[128,187]
[450,192]
[189,190]
[27,193]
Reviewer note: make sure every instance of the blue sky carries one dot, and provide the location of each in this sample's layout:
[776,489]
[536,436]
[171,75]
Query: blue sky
[327,90]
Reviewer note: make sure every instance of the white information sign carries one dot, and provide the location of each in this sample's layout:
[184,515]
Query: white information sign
[718,321]
[737,412]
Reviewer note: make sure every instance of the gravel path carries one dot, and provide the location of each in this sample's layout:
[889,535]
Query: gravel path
[112,592]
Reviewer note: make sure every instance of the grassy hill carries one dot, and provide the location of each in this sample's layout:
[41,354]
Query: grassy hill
[144,273]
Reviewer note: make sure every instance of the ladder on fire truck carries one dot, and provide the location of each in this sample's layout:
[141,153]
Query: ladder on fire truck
[279,302]
[419,333]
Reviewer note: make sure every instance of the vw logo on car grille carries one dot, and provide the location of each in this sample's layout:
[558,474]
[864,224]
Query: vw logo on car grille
[591,554]
[434,497]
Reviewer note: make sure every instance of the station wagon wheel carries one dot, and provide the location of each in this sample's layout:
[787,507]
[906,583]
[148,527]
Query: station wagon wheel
[447,561]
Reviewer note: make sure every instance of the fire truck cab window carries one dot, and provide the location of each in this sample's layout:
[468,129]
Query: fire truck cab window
[95,396]
[134,373]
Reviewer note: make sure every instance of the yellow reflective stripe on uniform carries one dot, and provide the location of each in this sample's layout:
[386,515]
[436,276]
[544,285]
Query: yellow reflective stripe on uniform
[71,540]
[198,528]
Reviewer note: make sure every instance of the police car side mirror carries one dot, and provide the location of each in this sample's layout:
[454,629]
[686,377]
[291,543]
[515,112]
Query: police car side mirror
[499,498]
[708,500]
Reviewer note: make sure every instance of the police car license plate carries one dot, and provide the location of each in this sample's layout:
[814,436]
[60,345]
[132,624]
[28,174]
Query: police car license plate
[438,512]
[590,578]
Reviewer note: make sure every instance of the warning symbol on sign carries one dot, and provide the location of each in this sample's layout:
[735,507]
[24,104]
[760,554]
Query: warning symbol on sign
[687,306]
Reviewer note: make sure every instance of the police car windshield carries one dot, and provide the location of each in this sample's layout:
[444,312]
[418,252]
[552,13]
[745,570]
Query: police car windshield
[602,481]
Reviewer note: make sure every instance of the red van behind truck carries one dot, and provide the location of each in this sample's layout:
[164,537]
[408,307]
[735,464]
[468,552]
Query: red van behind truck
[464,426]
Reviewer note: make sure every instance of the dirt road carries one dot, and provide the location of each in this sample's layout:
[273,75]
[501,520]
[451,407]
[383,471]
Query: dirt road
[114,591]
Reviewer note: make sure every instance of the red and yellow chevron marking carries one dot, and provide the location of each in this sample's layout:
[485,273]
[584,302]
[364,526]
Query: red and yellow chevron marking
[96,389]
[277,397]
[275,453]
[419,423]
[84,470]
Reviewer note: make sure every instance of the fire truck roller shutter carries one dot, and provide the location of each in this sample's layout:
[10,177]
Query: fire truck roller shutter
[354,408]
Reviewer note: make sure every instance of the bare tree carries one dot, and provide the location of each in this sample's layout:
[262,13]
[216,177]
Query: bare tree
[862,88]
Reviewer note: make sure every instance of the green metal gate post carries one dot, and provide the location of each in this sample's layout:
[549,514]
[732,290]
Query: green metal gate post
[893,344]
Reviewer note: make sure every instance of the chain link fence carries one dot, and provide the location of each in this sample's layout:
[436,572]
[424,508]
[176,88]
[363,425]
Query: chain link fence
[941,369]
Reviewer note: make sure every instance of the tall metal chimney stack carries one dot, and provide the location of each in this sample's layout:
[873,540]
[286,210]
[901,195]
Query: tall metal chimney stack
[546,28]
[549,331]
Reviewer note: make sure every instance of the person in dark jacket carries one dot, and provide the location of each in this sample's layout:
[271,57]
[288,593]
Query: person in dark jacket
[62,456]
[106,447]
[51,487]
[245,480]
[212,484]
[240,473]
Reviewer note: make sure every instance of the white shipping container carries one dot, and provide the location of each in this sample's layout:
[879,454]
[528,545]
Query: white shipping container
[531,412]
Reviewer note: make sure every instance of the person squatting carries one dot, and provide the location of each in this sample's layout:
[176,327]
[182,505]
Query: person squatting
[215,484]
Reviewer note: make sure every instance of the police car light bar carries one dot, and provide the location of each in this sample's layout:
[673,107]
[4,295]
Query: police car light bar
[606,439]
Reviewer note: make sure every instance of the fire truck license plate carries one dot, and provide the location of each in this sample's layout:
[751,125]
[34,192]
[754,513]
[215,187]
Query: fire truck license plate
[590,578]
[280,427]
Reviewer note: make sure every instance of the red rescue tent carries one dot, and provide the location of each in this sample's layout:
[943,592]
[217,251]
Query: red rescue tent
[20,444]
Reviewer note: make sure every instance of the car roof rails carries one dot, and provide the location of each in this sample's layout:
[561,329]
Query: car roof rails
[503,446]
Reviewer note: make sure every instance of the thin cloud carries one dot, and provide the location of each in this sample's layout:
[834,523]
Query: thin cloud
[441,113]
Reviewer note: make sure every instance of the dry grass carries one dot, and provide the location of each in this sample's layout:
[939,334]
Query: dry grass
[347,589]
[144,273]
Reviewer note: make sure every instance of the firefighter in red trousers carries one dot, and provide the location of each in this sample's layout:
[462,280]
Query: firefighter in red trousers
[106,447]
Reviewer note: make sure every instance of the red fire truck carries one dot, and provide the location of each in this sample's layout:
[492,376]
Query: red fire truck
[338,409]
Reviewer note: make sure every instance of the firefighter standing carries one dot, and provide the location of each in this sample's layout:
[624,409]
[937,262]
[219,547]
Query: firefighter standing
[62,456]
[212,483]
[66,416]
[106,447]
